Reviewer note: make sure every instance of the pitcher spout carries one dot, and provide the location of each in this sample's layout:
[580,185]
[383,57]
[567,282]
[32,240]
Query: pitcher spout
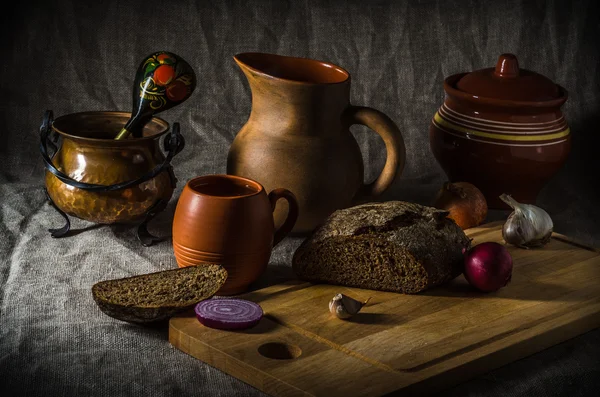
[286,90]
[291,69]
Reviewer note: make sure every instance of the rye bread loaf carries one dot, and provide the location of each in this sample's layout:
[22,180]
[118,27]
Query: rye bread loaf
[157,296]
[391,246]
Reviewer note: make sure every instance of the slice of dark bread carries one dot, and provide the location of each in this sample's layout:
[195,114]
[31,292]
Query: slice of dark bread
[157,296]
[391,246]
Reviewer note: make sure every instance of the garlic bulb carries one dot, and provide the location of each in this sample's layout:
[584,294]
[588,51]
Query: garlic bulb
[345,307]
[527,226]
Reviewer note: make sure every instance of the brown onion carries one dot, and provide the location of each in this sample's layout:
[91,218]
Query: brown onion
[464,202]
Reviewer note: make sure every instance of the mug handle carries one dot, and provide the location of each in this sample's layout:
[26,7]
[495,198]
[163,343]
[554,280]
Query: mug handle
[394,144]
[292,216]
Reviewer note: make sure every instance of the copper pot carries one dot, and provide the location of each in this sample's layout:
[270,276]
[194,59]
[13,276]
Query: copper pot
[94,177]
[502,130]
[228,220]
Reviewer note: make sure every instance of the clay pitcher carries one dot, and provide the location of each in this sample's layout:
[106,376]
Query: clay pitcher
[297,137]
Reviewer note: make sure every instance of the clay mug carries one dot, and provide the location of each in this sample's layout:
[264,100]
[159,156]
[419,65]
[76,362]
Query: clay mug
[298,137]
[228,220]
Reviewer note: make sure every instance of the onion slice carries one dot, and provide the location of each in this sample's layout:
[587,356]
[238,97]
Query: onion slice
[228,313]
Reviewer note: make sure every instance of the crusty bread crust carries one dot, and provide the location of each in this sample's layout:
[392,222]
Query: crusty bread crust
[391,246]
[157,296]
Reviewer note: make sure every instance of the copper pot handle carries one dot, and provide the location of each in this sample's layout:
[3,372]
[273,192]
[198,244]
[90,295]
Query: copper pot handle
[394,144]
[292,216]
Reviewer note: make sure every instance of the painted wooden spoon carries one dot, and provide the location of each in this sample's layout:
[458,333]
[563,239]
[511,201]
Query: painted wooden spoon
[162,81]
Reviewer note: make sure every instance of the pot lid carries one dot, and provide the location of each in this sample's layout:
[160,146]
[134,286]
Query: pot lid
[506,81]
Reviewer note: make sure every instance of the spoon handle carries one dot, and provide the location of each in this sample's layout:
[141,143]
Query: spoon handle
[133,127]
[122,134]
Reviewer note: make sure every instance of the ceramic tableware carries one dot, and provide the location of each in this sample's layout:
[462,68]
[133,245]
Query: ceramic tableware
[228,220]
[502,130]
[297,136]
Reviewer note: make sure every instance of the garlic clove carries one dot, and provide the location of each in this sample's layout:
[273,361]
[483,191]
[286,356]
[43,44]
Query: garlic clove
[343,306]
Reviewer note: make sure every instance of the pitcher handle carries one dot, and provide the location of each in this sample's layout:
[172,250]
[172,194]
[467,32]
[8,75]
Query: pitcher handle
[292,216]
[394,144]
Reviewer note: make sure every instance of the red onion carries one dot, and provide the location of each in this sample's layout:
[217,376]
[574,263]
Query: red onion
[228,313]
[488,266]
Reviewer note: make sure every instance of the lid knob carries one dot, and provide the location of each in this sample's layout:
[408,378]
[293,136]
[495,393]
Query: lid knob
[507,66]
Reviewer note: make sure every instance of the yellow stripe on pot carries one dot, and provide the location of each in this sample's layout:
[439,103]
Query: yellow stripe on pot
[504,137]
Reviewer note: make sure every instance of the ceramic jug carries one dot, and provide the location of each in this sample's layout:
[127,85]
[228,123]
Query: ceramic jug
[297,137]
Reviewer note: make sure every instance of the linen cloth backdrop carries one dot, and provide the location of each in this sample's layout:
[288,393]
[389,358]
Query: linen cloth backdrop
[73,56]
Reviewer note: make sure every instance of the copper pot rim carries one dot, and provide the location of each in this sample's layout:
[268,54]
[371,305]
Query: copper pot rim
[238,58]
[104,142]
[220,177]
[450,81]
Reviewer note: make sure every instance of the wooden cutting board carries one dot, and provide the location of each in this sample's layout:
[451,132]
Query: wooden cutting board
[410,344]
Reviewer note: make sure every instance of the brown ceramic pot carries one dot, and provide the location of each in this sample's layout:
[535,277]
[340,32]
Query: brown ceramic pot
[90,155]
[297,136]
[502,130]
[228,220]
